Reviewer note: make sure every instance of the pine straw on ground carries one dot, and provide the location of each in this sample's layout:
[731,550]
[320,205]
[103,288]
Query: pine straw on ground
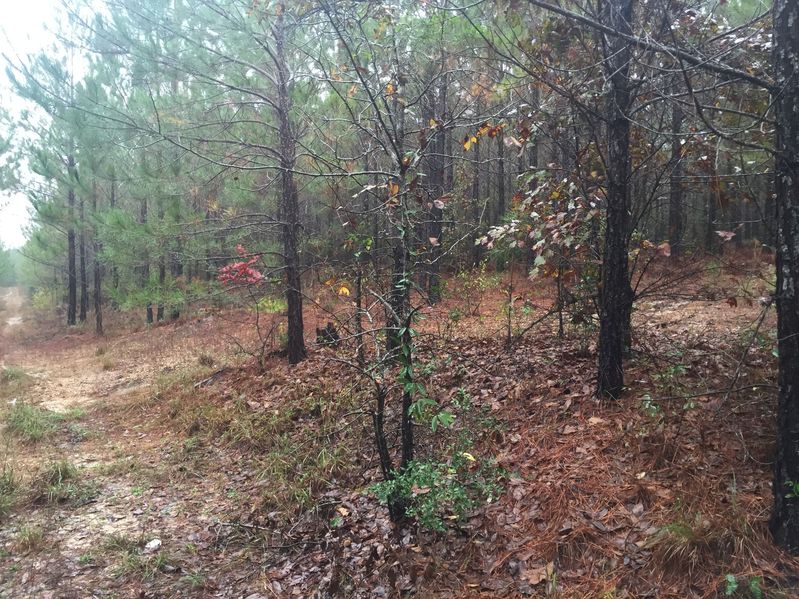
[665,497]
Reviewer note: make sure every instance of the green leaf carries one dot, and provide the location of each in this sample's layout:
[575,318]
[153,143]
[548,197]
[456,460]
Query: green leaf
[754,587]
[730,585]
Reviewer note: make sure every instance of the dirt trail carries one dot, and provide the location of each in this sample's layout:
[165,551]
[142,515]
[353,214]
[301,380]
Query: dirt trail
[12,298]
[105,389]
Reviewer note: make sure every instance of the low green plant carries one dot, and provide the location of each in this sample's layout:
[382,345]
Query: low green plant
[120,542]
[475,283]
[31,423]
[195,580]
[59,482]
[44,300]
[436,492]
[271,305]
[793,489]
[8,490]
[12,374]
[732,586]
[669,381]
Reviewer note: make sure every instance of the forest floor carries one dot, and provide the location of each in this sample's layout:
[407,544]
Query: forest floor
[159,462]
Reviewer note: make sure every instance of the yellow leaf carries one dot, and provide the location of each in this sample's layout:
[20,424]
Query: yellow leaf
[468,456]
[343,290]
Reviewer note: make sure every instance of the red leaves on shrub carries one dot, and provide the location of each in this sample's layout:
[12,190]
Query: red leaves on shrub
[239,273]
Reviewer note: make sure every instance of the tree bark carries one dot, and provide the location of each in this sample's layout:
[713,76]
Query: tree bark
[477,249]
[84,283]
[784,523]
[159,316]
[675,183]
[97,275]
[144,274]
[437,183]
[72,278]
[289,203]
[112,202]
[615,300]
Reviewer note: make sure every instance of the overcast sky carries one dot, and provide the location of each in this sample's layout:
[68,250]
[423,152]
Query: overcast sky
[22,31]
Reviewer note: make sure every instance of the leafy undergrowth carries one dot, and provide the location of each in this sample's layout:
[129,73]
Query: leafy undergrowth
[261,482]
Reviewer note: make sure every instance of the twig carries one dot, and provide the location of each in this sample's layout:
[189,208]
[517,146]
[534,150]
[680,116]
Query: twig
[738,368]
[263,528]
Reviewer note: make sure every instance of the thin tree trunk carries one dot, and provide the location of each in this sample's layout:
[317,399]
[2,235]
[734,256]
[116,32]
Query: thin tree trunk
[711,212]
[289,202]
[675,183]
[477,249]
[161,269]
[97,275]
[72,277]
[438,182]
[144,278]
[176,270]
[501,207]
[785,517]
[112,201]
[84,283]
[615,300]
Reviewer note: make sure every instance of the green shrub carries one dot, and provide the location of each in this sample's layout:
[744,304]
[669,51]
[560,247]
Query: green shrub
[44,299]
[435,492]
[271,305]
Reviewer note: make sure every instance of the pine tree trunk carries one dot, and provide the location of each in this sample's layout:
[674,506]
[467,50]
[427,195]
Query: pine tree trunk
[97,275]
[144,277]
[72,277]
[161,270]
[84,283]
[615,300]
[785,518]
[289,202]
[112,202]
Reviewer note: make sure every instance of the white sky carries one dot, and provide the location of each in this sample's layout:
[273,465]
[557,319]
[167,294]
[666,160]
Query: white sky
[22,31]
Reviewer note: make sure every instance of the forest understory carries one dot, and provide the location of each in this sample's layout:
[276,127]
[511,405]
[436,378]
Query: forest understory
[161,462]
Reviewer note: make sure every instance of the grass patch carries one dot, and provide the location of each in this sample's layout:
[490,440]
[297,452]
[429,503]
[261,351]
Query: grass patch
[133,561]
[122,543]
[29,538]
[146,567]
[60,482]
[9,484]
[119,467]
[31,423]
[12,374]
